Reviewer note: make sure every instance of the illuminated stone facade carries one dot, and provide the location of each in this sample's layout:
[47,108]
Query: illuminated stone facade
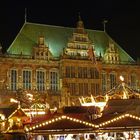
[64,64]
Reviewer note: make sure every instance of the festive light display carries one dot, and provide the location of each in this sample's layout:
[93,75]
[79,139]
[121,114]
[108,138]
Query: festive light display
[90,101]
[98,126]
[59,119]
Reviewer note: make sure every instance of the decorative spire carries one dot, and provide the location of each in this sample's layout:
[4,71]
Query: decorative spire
[104,24]
[80,25]
[25,16]
[79,16]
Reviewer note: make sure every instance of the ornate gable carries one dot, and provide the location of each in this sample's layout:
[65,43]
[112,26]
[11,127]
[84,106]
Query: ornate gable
[41,51]
[111,55]
[79,45]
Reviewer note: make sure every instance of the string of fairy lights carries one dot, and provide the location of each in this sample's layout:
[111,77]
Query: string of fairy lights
[63,117]
[31,128]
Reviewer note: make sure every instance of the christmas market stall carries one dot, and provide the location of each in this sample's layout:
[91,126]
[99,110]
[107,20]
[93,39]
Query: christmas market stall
[14,125]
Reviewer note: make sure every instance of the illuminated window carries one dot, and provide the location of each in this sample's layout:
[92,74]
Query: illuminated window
[112,80]
[27,79]
[54,84]
[13,79]
[104,82]
[40,80]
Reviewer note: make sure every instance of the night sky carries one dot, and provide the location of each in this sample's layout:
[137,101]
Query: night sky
[123,18]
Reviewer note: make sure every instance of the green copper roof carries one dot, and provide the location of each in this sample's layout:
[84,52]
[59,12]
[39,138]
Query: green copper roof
[56,38]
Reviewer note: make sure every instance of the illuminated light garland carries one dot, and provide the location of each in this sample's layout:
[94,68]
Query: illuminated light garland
[82,122]
[60,118]
[26,129]
[74,120]
[30,128]
[137,118]
[68,117]
[63,117]
[119,118]
[53,120]
[96,126]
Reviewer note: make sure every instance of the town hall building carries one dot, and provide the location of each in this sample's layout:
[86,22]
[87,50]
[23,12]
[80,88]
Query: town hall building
[62,64]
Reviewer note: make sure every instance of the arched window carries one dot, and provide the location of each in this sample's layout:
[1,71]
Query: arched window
[13,79]
[27,76]
[40,79]
[54,80]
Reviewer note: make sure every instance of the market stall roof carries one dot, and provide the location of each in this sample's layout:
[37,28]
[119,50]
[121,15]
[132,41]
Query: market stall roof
[117,122]
[16,121]
[66,124]
[18,113]
[62,124]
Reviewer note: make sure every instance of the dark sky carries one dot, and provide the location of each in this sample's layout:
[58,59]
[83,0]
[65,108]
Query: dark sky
[123,18]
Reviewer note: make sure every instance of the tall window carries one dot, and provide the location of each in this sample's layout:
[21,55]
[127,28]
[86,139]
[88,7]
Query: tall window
[94,74]
[83,88]
[13,79]
[104,82]
[72,87]
[82,72]
[133,81]
[79,72]
[40,78]
[54,85]
[67,71]
[112,80]
[70,71]
[94,89]
[27,79]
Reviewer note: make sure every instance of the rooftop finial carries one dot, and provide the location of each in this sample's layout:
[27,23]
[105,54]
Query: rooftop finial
[104,23]
[25,15]
[79,16]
